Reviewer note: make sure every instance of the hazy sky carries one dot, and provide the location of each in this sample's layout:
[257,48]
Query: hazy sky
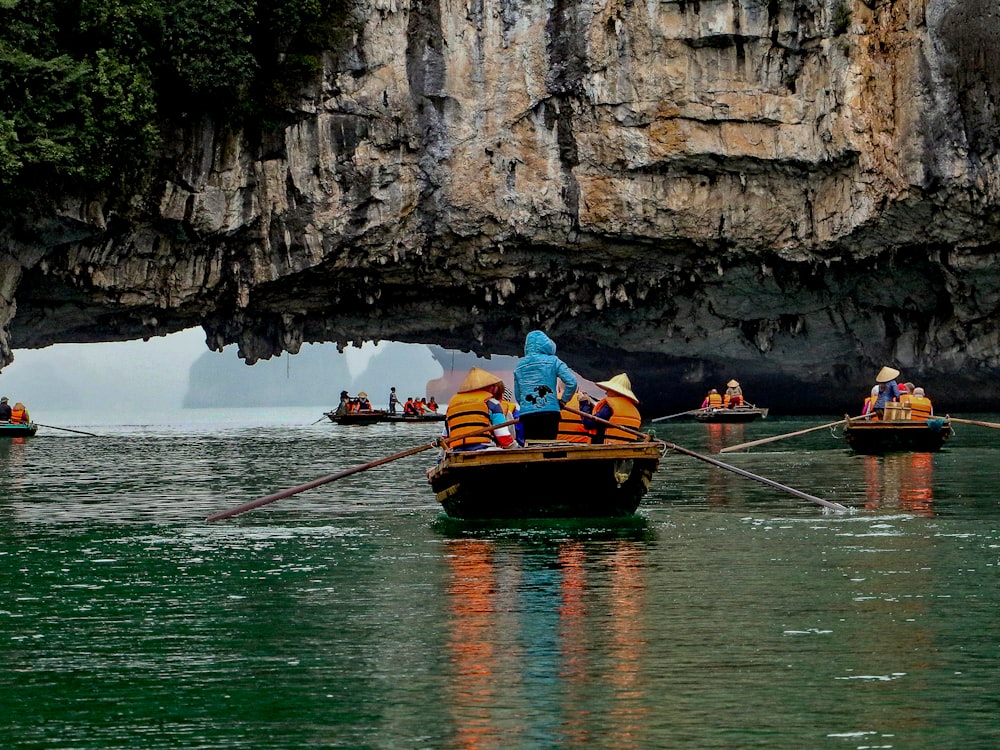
[129,374]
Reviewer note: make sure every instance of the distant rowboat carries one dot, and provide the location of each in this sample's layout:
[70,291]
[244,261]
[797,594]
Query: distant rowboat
[430,416]
[372,416]
[734,415]
[549,480]
[876,438]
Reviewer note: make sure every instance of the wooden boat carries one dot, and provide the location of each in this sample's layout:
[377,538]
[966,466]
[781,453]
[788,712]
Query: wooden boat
[12,430]
[430,416]
[547,480]
[372,416]
[736,415]
[893,436]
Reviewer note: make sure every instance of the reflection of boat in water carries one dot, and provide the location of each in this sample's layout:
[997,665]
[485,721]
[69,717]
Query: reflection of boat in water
[734,415]
[548,480]
[17,429]
[357,417]
[893,436]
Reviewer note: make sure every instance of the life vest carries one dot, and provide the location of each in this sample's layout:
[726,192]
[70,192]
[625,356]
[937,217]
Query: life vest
[624,413]
[713,399]
[920,408]
[468,413]
[571,427]
[869,405]
[19,416]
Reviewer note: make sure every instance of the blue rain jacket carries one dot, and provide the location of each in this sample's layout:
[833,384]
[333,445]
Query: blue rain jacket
[536,374]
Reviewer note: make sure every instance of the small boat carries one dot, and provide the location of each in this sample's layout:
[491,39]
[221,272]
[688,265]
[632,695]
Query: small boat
[546,480]
[735,415]
[430,416]
[17,429]
[372,416]
[893,436]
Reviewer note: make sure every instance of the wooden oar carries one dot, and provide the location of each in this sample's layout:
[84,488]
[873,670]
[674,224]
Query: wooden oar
[752,443]
[319,420]
[720,464]
[976,422]
[341,474]
[678,414]
[66,429]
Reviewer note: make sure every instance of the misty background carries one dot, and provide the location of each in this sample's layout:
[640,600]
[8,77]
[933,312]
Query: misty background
[178,371]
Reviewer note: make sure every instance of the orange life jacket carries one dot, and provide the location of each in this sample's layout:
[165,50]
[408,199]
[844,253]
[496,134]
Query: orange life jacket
[18,416]
[713,399]
[571,427]
[467,413]
[920,408]
[626,414]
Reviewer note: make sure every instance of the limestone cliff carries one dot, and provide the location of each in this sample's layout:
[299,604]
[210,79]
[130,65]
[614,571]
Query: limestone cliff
[792,192]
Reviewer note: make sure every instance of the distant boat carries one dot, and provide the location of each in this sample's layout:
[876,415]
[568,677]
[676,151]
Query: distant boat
[550,480]
[736,414]
[895,436]
[372,416]
[12,429]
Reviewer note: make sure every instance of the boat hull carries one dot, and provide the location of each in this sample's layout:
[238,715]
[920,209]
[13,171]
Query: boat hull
[8,430]
[410,419]
[875,438]
[552,480]
[736,415]
[357,417]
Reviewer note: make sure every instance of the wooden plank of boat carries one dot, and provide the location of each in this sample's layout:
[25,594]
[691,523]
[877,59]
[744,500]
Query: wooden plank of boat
[358,417]
[12,430]
[418,418]
[547,480]
[736,415]
[894,436]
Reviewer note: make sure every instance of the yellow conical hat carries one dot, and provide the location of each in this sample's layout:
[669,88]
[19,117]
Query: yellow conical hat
[733,383]
[620,384]
[886,374]
[477,379]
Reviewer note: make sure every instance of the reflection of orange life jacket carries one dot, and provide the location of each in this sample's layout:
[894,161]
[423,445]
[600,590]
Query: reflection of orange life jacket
[920,408]
[571,427]
[19,416]
[625,414]
[468,412]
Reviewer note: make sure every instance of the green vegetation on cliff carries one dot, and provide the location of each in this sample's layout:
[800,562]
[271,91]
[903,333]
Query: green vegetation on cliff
[87,85]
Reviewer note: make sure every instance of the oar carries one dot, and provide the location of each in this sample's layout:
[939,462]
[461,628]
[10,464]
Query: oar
[341,474]
[976,422]
[66,429]
[752,443]
[319,420]
[720,464]
[678,414]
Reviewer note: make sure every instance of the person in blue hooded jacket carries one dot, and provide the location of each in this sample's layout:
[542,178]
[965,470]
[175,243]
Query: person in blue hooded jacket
[536,380]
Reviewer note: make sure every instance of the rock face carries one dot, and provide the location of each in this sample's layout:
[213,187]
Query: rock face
[790,192]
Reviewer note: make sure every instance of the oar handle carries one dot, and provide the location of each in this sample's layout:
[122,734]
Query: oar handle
[721,465]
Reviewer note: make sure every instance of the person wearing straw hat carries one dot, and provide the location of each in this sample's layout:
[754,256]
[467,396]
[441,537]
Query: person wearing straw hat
[536,385]
[734,394]
[620,407]
[473,409]
[888,390]
[363,403]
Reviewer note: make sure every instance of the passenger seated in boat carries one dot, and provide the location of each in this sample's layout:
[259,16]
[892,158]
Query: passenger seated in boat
[733,396]
[712,400]
[344,406]
[432,404]
[363,403]
[5,409]
[920,406]
[620,407]
[19,415]
[473,409]
[409,408]
[571,427]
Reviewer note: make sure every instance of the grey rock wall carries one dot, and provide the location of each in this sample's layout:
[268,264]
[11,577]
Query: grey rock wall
[791,192]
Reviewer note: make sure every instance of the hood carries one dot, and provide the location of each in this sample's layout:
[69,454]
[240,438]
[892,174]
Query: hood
[536,342]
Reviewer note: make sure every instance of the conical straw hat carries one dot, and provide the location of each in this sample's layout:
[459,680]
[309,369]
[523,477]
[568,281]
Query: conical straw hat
[886,374]
[478,379]
[620,384]
[733,383]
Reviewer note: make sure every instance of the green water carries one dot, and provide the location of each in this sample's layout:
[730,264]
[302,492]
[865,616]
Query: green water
[728,615]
